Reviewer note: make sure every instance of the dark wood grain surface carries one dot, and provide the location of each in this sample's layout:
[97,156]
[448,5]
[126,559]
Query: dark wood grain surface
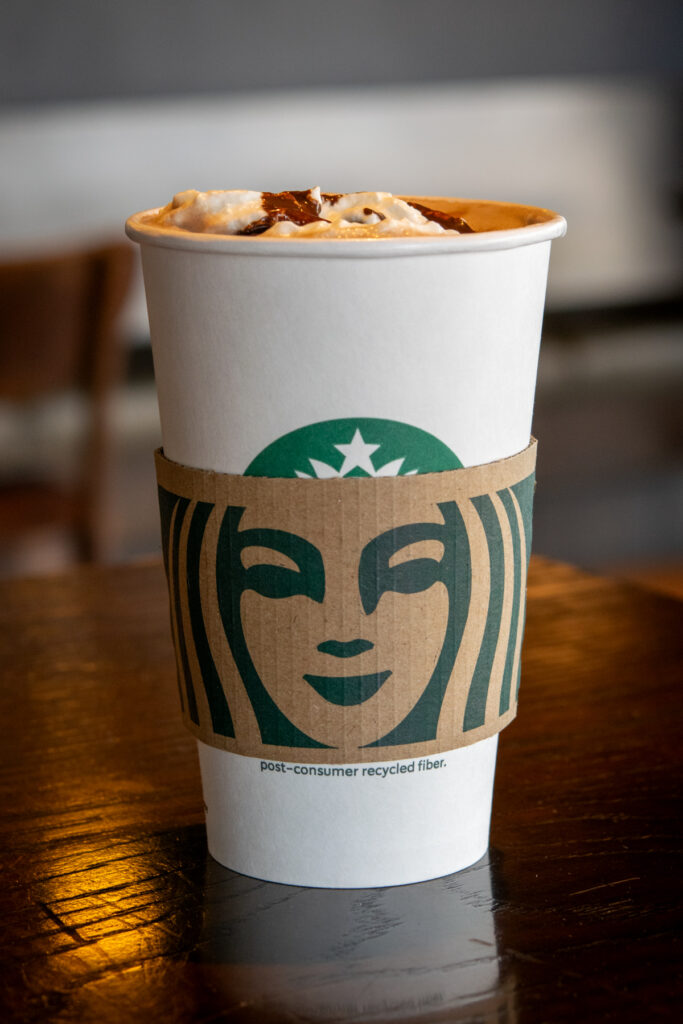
[112,909]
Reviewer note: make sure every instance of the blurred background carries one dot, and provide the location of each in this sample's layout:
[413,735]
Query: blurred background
[111,108]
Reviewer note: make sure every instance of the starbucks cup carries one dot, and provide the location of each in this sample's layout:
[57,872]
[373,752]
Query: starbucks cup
[345,492]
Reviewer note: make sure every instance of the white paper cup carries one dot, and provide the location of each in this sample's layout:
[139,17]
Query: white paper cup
[254,338]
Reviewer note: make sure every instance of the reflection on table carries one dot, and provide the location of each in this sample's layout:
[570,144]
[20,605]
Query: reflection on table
[360,955]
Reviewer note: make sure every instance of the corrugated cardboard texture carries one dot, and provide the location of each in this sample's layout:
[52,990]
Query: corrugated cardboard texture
[347,620]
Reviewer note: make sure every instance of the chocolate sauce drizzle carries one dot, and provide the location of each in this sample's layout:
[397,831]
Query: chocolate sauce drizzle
[446,220]
[298,207]
[301,208]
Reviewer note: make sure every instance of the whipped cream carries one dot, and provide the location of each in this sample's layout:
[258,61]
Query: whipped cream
[307,213]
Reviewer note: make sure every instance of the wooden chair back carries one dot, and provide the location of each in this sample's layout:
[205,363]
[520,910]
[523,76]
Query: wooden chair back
[58,333]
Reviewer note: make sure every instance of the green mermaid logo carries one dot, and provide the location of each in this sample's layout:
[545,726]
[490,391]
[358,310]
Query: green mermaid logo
[354,447]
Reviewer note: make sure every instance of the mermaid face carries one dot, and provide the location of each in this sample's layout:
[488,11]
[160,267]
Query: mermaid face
[338,634]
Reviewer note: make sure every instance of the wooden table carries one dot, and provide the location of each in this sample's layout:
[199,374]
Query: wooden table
[111,908]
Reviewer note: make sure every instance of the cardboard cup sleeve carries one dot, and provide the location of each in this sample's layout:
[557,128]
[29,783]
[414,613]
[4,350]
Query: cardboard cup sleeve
[404,597]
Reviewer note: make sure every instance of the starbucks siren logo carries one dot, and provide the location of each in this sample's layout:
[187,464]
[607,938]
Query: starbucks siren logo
[365,447]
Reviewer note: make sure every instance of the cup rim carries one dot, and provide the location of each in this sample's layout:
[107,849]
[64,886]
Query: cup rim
[536,224]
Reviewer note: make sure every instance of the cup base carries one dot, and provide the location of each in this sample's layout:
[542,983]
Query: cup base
[406,821]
